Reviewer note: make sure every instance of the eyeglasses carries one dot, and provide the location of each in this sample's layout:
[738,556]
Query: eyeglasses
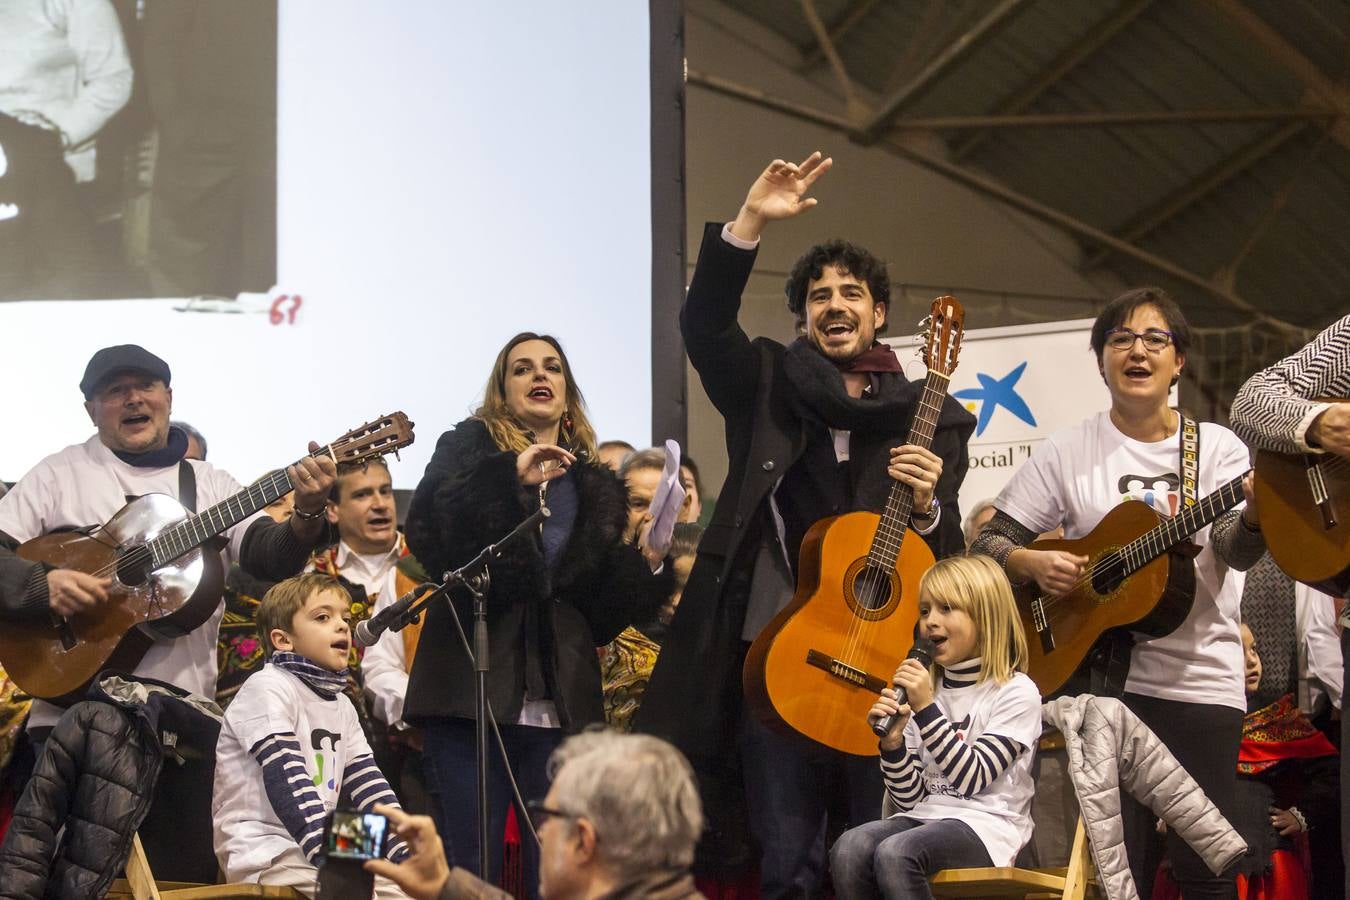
[539,813]
[1155,339]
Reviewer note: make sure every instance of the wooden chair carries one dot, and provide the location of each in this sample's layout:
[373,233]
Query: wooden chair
[140,884]
[1073,881]
[1070,882]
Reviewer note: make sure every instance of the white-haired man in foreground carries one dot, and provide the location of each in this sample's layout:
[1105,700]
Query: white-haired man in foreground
[620,821]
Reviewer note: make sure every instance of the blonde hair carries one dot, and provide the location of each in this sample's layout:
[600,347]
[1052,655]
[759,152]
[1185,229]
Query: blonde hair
[507,432]
[976,585]
[286,598]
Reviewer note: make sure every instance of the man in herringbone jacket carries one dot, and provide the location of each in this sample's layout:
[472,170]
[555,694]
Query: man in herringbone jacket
[1285,408]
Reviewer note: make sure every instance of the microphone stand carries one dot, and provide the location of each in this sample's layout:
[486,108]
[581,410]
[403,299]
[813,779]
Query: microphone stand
[476,579]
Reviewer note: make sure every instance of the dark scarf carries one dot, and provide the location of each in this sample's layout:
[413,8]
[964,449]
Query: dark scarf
[170,454]
[820,395]
[321,681]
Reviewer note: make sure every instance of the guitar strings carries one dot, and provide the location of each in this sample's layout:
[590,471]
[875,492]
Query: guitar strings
[142,553]
[874,578]
[1136,549]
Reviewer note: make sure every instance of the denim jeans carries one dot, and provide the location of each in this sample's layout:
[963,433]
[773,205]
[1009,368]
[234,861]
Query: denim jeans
[893,858]
[450,757]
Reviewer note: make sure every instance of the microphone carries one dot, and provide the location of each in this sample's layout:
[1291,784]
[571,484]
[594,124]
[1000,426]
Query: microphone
[923,651]
[368,631]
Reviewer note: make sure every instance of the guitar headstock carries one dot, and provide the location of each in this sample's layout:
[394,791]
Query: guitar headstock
[946,324]
[387,434]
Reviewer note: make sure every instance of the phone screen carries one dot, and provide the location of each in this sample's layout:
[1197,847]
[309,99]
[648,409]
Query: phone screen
[356,835]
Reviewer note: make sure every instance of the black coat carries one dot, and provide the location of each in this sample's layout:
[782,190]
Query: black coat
[701,657]
[470,497]
[97,778]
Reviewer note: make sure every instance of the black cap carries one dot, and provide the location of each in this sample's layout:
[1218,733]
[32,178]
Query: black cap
[122,358]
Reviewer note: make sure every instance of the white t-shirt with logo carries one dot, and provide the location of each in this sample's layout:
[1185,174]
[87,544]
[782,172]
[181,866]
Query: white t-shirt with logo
[248,835]
[1000,814]
[1080,474]
[86,484]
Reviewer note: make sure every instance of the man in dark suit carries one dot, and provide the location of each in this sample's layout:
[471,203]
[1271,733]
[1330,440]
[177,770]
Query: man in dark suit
[814,429]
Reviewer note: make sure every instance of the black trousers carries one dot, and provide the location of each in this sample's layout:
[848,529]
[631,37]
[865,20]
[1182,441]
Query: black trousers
[1204,739]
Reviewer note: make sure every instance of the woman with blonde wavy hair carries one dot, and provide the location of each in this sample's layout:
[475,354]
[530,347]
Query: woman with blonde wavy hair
[554,597]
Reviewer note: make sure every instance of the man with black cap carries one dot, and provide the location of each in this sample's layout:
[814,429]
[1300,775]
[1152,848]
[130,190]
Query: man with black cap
[136,452]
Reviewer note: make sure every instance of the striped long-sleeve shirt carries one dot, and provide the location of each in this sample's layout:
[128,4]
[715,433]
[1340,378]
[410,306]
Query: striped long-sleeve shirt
[1273,410]
[297,804]
[288,755]
[946,758]
[969,767]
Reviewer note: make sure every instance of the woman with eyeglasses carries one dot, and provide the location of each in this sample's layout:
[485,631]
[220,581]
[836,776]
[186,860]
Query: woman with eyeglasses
[1187,686]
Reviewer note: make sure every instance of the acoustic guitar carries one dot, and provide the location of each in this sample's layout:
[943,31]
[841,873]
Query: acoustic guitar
[818,666]
[1140,575]
[165,582]
[1305,515]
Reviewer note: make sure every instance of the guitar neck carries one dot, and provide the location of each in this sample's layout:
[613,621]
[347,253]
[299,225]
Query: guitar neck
[895,517]
[196,530]
[1166,535]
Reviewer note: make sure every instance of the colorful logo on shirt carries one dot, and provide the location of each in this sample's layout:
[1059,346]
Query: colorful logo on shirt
[1162,492]
[317,738]
[995,392]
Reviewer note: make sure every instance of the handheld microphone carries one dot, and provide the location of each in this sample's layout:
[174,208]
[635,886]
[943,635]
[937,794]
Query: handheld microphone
[368,631]
[923,651]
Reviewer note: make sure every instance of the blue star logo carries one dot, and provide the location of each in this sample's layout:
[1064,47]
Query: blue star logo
[995,392]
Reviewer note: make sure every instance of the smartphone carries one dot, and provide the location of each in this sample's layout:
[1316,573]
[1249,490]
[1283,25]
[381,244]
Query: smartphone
[351,834]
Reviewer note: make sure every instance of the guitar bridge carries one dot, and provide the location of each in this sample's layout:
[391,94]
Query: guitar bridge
[1042,623]
[1321,496]
[844,672]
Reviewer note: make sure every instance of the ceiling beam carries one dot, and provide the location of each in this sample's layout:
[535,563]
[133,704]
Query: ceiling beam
[1169,207]
[1323,90]
[854,107]
[938,66]
[729,88]
[986,185]
[1068,59]
[1227,273]
[1096,119]
[851,16]
[916,50]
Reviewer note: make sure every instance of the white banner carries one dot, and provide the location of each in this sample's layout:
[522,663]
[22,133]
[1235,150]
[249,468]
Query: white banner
[1022,383]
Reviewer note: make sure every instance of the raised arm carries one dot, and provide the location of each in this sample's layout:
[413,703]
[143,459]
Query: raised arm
[717,346]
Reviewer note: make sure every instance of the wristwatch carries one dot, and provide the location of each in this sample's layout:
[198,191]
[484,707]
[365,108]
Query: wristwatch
[929,513]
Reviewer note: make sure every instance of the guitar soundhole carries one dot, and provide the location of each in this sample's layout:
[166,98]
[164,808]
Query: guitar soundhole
[133,567]
[1107,575]
[872,588]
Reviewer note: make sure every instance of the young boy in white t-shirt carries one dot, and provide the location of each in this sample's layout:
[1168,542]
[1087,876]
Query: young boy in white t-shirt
[291,747]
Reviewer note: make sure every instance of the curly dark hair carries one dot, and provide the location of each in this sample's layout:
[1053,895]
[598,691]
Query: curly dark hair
[1119,310]
[849,259]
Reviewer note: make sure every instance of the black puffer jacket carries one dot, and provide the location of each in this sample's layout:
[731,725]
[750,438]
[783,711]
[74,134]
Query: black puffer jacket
[96,777]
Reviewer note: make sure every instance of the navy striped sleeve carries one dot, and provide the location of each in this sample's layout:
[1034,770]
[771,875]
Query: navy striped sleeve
[363,786]
[291,791]
[903,773]
[969,768]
